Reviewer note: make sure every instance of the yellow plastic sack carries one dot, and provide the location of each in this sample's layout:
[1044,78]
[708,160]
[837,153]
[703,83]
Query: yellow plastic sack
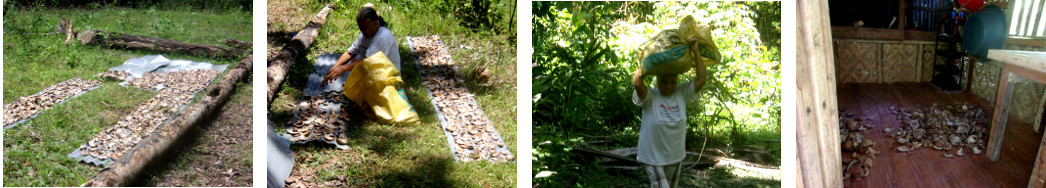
[669,51]
[376,84]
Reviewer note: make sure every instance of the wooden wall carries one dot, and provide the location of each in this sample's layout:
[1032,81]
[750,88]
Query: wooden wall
[818,151]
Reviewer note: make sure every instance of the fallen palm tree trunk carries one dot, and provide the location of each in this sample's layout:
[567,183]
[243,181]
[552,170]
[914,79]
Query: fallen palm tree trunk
[278,66]
[612,156]
[123,170]
[120,40]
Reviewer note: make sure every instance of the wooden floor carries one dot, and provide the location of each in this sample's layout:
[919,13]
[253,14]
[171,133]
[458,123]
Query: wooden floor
[928,167]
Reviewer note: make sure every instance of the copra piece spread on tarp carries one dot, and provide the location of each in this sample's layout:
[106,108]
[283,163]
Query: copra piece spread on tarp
[176,81]
[470,135]
[28,107]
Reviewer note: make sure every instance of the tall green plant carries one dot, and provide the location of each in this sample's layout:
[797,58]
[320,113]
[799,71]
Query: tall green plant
[584,55]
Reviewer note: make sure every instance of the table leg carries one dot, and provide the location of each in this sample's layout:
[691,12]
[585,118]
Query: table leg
[1002,102]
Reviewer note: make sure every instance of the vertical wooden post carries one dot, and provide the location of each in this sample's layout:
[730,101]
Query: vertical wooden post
[1002,102]
[900,17]
[817,132]
[1040,111]
[1038,173]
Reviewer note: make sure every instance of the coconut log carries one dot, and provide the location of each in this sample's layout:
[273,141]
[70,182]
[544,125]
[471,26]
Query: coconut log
[123,170]
[279,65]
[605,154]
[129,41]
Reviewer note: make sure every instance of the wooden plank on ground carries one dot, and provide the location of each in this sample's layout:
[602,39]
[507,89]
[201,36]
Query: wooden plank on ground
[125,169]
[129,41]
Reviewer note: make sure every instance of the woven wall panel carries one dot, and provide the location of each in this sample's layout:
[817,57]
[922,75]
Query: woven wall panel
[985,80]
[1025,102]
[900,62]
[857,62]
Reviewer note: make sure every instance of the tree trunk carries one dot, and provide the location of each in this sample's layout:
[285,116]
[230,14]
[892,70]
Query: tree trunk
[119,40]
[605,154]
[279,65]
[124,169]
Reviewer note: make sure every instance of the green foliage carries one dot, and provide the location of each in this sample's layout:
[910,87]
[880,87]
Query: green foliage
[213,5]
[577,74]
[585,54]
[493,15]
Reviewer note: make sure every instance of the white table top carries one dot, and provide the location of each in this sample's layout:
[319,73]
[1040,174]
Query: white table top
[1028,59]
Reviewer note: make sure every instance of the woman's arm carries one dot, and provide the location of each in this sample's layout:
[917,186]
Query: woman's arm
[699,67]
[637,82]
[340,67]
[344,59]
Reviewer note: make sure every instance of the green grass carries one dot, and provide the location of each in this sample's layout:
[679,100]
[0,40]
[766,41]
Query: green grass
[408,156]
[35,151]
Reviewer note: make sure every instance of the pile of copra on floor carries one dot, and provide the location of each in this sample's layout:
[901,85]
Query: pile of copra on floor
[858,151]
[950,129]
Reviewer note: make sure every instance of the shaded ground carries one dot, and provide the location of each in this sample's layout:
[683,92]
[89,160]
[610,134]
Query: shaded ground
[219,155]
[285,17]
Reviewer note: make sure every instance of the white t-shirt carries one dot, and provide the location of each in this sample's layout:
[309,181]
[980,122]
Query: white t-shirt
[663,135]
[382,41]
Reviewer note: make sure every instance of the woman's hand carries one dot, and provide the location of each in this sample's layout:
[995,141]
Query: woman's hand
[332,74]
[340,67]
[637,82]
[337,70]
[695,49]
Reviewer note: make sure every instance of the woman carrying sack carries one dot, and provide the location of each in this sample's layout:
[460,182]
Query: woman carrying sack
[662,137]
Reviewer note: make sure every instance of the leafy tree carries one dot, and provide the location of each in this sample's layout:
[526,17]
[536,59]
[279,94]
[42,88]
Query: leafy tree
[584,57]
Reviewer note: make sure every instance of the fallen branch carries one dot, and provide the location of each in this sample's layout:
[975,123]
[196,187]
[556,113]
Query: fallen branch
[605,154]
[239,44]
[123,170]
[279,65]
[120,40]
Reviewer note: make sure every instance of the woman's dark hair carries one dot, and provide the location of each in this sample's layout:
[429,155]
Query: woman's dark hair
[370,13]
